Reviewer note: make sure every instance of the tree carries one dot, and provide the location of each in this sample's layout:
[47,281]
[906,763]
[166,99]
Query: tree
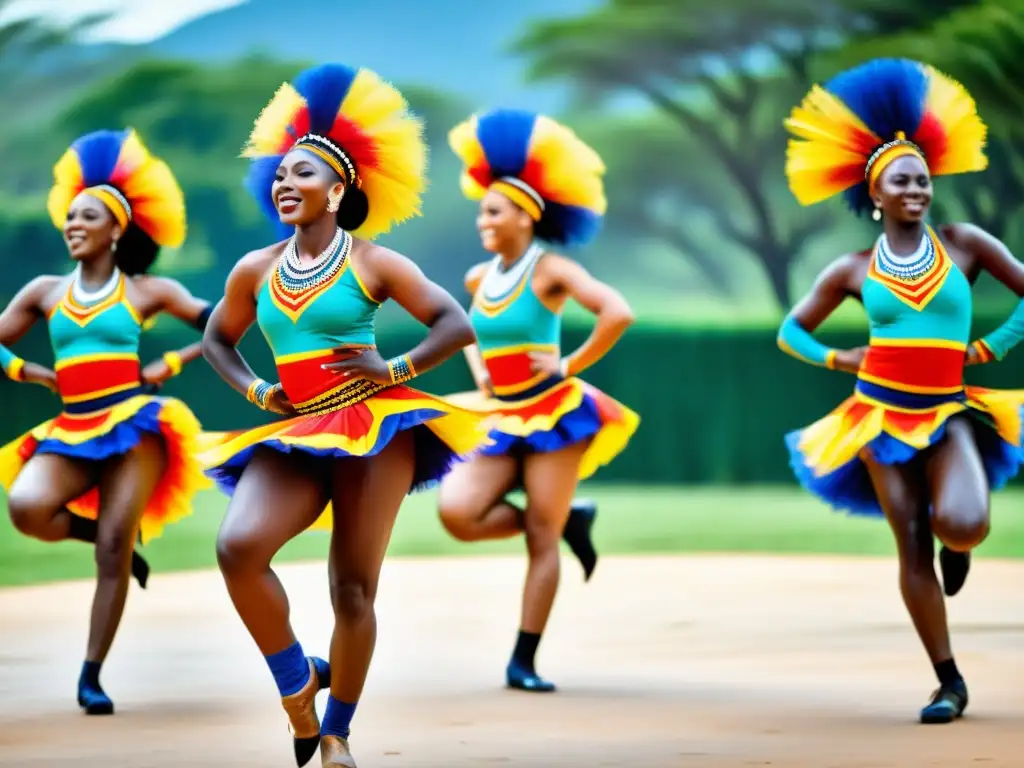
[980,46]
[721,71]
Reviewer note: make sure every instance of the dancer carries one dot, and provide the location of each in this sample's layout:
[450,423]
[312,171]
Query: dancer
[117,463]
[337,157]
[535,180]
[912,443]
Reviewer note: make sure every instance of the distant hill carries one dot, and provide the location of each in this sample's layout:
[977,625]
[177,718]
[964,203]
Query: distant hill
[455,45]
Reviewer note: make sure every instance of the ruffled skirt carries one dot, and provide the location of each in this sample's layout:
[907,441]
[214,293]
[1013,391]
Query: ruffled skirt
[443,434]
[826,456]
[114,431]
[563,414]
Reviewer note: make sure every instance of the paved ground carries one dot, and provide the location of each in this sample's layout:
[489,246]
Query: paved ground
[696,661]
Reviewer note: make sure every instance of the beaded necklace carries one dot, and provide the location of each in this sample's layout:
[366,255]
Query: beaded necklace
[907,268]
[297,278]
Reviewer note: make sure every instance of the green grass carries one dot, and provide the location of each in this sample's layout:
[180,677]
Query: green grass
[634,519]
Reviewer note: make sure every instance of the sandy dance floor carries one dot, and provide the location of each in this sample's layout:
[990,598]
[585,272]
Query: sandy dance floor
[684,661]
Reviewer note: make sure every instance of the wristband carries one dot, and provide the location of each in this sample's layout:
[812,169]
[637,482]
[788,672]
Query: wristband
[401,369]
[173,360]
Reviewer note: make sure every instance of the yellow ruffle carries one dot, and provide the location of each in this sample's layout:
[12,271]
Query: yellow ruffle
[183,476]
[519,418]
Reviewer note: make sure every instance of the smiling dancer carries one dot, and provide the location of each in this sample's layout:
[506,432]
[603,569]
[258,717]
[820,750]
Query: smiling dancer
[117,463]
[535,180]
[337,158]
[912,443]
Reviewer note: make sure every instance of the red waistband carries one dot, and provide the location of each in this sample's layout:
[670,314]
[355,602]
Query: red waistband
[511,369]
[303,377]
[94,378]
[915,368]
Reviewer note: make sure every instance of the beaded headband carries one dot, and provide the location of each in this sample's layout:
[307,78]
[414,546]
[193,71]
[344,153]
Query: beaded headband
[884,156]
[332,154]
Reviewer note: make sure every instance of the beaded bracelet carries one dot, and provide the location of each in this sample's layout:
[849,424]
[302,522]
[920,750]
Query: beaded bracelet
[259,392]
[173,360]
[401,369]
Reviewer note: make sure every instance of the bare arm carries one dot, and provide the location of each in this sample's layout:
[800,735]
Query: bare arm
[15,321]
[613,312]
[397,277]
[996,259]
[231,318]
[828,292]
[170,296]
[472,352]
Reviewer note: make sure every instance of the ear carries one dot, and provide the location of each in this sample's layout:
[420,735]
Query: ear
[115,233]
[338,190]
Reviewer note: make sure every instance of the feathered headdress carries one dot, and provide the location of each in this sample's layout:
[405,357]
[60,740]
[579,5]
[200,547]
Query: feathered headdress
[360,126]
[138,188]
[537,163]
[849,131]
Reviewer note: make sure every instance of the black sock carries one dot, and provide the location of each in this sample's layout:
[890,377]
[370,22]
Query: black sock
[947,672]
[526,649]
[82,529]
[91,673]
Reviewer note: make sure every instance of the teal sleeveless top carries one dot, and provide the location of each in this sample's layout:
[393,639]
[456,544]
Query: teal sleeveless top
[326,308]
[507,314]
[936,306]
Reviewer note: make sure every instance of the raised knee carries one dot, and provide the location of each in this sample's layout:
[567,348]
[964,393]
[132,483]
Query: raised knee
[113,551]
[28,513]
[457,518]
[961,528]
[351,599]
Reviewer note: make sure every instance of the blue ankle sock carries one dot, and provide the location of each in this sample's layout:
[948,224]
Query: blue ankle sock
[90,676]
[290,669]
[337,718]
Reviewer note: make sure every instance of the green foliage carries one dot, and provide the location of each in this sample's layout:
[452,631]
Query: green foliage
[725,75]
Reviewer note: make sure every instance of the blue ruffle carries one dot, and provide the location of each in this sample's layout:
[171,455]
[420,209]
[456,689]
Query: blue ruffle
[579,424]
[121,439]
[849,489]
[434,459]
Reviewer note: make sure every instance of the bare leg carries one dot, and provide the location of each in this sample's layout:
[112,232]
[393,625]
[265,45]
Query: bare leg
[42,490]
[550,480]
[126,484]
[902,492]
[39,498]
[366,497]
[470,500]
[473,507]
[959,489]
[960,509]
[278,497]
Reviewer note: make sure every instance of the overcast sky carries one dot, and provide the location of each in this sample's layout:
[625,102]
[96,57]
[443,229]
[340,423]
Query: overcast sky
[136,21]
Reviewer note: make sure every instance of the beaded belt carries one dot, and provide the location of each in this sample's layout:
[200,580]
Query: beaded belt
[348,394]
